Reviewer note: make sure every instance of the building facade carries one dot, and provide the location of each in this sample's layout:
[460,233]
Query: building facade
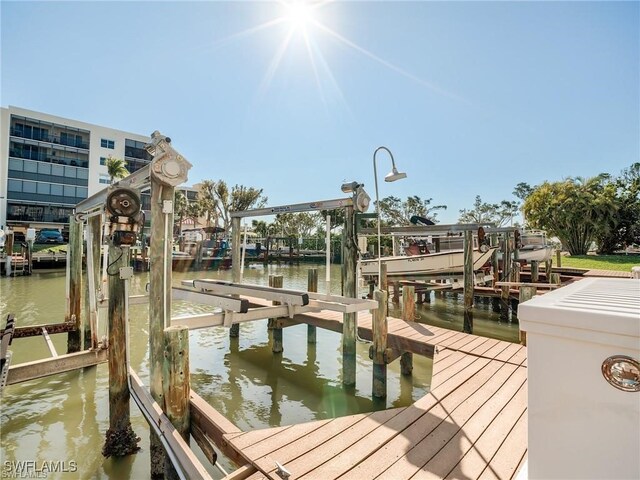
[48,164]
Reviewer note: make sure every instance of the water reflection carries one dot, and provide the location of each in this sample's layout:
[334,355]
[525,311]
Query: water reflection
[65,417]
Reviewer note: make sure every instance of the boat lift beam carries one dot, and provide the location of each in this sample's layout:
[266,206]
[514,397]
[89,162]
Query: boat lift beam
[437,229]
[359,201]
[220,287]
[292,303]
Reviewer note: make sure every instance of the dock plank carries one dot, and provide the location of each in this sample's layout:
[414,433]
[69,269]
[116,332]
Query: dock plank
[477,457]
[472,423]
[450,420]
[448,457]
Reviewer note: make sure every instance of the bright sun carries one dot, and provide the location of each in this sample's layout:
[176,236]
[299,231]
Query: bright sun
[299,15]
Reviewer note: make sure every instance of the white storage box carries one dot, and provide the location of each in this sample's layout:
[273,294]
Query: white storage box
[580,425]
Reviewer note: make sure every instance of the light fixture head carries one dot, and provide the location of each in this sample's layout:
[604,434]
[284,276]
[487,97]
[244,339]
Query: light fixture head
[394,175]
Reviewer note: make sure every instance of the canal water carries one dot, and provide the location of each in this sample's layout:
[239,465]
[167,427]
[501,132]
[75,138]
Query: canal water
[62,419]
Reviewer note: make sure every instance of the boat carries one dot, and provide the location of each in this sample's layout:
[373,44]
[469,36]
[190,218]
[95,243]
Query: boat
[441,263]
[535,247]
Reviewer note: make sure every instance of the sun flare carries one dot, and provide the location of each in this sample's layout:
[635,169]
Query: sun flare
[299,15]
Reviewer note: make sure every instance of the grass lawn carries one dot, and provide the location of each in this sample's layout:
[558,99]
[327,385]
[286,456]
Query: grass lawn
[622,263]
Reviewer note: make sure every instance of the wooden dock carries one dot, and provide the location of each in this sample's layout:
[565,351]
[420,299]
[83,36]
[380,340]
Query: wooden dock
[472,424]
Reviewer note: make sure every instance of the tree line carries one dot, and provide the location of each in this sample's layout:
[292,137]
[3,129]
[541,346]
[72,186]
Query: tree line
[604,210]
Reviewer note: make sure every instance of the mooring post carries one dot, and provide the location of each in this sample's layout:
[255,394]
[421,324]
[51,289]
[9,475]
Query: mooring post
[495,265]
[8,248]
[396,292]
[167,170]
[120,438]
[312,286]
[271,322]
[554,278]
[234,331]
[408,303]
[384,280]
[379,348]
[506,263]
[74,257]
[558,258]
[547,270]
[176,384]
[350,320]
[526,293]
[534,271]
[94,241]
[409,315]
[468,282]
[160,277]
[277,347]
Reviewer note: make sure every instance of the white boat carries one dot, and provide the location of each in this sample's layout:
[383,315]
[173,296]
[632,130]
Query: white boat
[535,247]
[441,263]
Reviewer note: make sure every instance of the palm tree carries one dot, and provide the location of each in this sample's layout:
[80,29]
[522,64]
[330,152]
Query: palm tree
[116,168]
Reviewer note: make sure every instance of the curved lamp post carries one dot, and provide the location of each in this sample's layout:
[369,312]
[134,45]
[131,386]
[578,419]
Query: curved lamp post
[392,176]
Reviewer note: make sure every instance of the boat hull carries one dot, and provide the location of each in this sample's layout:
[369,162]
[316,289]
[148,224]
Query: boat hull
[431,264]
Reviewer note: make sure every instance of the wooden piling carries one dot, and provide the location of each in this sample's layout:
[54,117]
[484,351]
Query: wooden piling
[506,263]
[494,257]
[74,310]
[408,303]
[160,277]
[558,258]
[396,293]
[526,293]
[349,324]
[384,281]
[554,278]
[120,438]
[94,241]
[409,315]
[468,282]
[534,271]
[277,347]
[176,384]
[234,331]
[8,248]
[547,270]
[379,347]
[312,286]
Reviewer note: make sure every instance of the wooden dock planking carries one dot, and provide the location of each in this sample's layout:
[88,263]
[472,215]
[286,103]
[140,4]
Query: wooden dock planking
[501,466]
[477,457]
[458,409]
[420,417]
[472,423]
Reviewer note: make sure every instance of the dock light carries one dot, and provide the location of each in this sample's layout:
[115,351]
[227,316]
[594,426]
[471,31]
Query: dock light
[125,215]
[392,176]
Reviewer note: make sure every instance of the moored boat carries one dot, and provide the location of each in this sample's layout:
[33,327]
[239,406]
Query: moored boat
[441,263]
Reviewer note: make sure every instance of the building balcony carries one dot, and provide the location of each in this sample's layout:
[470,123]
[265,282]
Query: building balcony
[47,157]
[49,138]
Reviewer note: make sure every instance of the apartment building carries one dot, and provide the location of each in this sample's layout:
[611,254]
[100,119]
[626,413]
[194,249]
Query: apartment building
[48,164]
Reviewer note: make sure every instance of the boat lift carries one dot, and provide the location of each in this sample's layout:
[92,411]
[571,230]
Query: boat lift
[227,295]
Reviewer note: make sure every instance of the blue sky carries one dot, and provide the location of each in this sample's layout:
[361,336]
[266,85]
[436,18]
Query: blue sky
[471,97]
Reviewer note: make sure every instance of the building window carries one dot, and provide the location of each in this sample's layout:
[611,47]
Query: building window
[104,179]
[104,143]
[103,161]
